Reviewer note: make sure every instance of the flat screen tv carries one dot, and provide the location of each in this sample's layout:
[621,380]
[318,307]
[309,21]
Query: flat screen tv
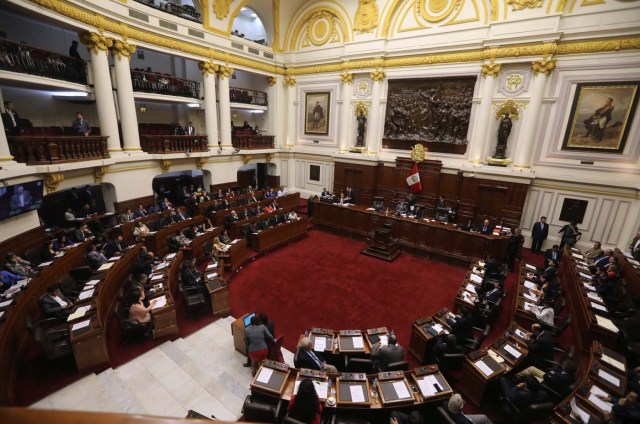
[20,198]
[247,319]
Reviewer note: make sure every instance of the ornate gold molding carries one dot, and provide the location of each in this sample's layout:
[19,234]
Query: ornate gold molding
[52,181]
[268,157]
[418,153]
[221,8]
[122,49]
[366,18]
[377,75]
[361,107]
[246,159]
[165,165]
[524,4]
[346,77]
[289,81]
[201,161]
[225,71]
[491,69]
[272,81]
[208,68]
[511,107]
[99,173]
[543,67]
[96,41]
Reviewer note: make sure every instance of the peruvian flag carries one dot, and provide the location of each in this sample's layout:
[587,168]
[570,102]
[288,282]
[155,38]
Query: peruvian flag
[413,180]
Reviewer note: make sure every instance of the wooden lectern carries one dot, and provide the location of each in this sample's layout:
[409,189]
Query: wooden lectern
[219,293]
[237,330]
[382,245]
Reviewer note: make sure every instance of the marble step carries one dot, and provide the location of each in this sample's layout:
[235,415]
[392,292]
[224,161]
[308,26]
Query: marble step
[86,394]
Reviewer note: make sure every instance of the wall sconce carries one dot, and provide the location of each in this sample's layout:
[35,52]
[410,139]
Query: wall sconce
[234,115]
[143,108]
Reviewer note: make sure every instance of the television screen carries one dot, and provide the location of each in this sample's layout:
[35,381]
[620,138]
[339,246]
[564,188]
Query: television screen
[20,198]
[247,319]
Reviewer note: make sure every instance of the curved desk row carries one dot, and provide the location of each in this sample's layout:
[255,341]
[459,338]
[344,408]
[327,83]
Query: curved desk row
[156,241]
[279,235]
[235,229]
[203,206]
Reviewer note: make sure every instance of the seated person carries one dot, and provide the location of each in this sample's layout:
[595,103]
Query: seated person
[594,253]
[307,358]
[468,226]
[454,406]
[140,212]
[234,216]
[281,192]
[304,406]
[140,231]
[154,208]
[219,246]
[553,253]
[182,215]
[8,279]
[69,216]
[446,345]
[461,325]
[82,233]
[16,265]
[48,252]
[62,243]
[521,395]
[540,343]
[137,310]
[486,227]
[292,216]
[165,204]
[190,233]
[546,313]
[191,277]
[114,247]
[55,304]
[624,410]
[126,216]
[558,378]
[382,356]
[224,237]
[401,208]
[95,258]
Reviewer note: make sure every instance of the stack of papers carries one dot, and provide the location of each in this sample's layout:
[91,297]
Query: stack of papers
[86,294]
[584,416]
[471,288]
[516,354]
[608,377]
[6,303]
[606,323]
[80,325]
[429,385]
[79,313]
[401,390]
[439,328]
[156,277]
[475,278]
[596,391]
[357,395]
[531,296]
[531,307]
[320,344]
[170,256]
[212,275]
[159,302]
[483,367]
[106,266]
[531,267]
[598,306]
[530,285]
[613,362]
[114,258]
[265,375]
[43,264]
[213,265]
[358,343]
[234,241]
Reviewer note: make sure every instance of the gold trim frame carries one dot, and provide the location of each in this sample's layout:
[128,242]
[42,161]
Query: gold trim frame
[317,107]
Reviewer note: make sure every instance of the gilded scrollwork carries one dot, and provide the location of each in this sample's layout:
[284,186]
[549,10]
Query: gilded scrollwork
[491,69]
[321,29]
[366,18]
[346,77]
[221,8]
[165,165]
[361,108]
[99,173]
[52,181]
[289,81]
[208,68]
[225,71]
[122,49]
[272,81]
[96,42]
[544,66]
[377,75]
[524,4]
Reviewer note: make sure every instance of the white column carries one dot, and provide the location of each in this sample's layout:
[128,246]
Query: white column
[98,46]
[210,108]
[5,154]
[483,118]
[225,105]
[122,51]
[374,122]
[292,106]
[346,126]
[524,148]
[277,110]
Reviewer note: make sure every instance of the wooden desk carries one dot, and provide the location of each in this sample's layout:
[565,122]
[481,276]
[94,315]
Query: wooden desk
[415,236]
[235,228]
[238,331]
[219,292]
[424,332]
[125,229]
[271,378]
[277,236]
[157,241]
[630,272]
[235,256]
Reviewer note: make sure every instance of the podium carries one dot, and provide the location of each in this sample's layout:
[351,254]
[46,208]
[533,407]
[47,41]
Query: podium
[219,293]
[382,245]
[237,330]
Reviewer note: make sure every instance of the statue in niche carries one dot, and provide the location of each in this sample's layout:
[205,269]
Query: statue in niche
[503,134]
[362,122]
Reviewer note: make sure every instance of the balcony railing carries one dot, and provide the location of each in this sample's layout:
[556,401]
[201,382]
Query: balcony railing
[186,11]
[152,82]
[17,57]
[46,150]
[250,97]
[249,142]
[163,144]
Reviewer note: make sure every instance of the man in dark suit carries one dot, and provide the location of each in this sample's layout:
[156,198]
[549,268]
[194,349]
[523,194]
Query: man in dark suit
[558,378]
[539,234]
[114,247]
[382,356]
[553,253]
[20,198]
[11,120]
[486,227]
[540,344]
[350,196]
[521,395]
[462,326]
[55,304]
[307,358]
[446,345]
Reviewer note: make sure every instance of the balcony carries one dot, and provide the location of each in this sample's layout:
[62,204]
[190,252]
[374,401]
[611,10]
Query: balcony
[185,11]
[253,142]
[248,97]
[153,82]
[24,59]
[45,150]
[165,144]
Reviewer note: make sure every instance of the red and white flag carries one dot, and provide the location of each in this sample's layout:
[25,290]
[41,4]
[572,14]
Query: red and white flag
[413,180]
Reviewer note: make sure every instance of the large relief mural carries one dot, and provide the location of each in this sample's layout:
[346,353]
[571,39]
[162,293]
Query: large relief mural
[434,111]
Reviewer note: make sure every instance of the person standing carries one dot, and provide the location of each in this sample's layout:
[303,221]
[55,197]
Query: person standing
[190,129]
[80,125]
[256,337]
[570,235]
[513,247]
[11,120]
[539,234]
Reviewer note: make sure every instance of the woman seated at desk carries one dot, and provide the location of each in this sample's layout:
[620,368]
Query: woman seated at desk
[305,406]
[48,251]
[62,243]
[137,310]
[219,247]
[140,230]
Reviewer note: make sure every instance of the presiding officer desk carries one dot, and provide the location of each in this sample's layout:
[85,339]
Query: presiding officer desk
[418,236]
[369,395]
[279,235]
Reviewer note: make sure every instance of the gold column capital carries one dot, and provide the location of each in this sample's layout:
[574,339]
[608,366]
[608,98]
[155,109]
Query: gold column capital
[201,161]
[491,69]
[272,81]
[99,173]
[96,41]
[543,67]
[122,49]
[289,81]
[52,181]
[208,68]
[165,165]
[225,71]
[346,77]
[377,75]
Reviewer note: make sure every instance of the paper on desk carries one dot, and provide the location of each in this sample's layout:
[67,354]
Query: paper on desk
[607,359]
[234,241]
[106,266]
[43,264]
[401,390]
[161,265]
[170,256]
[608,377]
[439,328]
[589,286]
[493,354]
[213,265]
[358,343]
[598,391]
[156,277]
[579,411]
[530,285]
[531,307]
[587,276]
[471,288]
[531,267]
[152,232]
[606,323]
[598,306]
[475,278]
[6,303]
[477,271]
[114,258]
[484,368]
[428,385]
[322,388]
[159,302]
[265,375]
[594,296]
[357,395]
[481,263]
[79,313]
[531,296]
[86,294]
[80,325]
[384,340]
[212,275]
[467,297]
[516,354]
[320,344]
[520,333]
[601,404]
[577,256]
[91,283]
[1,313]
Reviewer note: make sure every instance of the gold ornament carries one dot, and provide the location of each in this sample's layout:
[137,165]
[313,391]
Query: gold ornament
[201,161]
[377,75]
[272,81]
[491,69]
[225,71]
[366,18]
[511,107]
[165,165]
[96,41]
[52,181]
[524,4]
[246,159]
[321,29]
[434,11]
[268,157]
[208,68]
[419,153]
[122,49]
[544,66]
[221,8]
[346,77]
[361,108]
[289,81]
[99,173]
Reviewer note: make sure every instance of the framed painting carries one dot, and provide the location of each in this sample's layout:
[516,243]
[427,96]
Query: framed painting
[316,113]
[601,116]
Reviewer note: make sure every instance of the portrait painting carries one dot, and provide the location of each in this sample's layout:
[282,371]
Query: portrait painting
[601,116]
[316,113]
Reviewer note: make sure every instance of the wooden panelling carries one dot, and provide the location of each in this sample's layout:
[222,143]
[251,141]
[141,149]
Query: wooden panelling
[132,204]
[19,244]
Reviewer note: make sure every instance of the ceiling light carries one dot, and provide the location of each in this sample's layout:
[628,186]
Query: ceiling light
[193,104]
[69,93]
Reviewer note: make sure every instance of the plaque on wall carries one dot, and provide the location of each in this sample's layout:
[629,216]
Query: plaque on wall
[573,210]
[314,172]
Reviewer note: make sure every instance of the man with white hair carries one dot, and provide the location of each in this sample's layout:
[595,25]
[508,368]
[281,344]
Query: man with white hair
[307,358]
[455,405]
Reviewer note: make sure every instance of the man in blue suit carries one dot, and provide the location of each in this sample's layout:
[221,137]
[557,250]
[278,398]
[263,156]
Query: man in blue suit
[539,234]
